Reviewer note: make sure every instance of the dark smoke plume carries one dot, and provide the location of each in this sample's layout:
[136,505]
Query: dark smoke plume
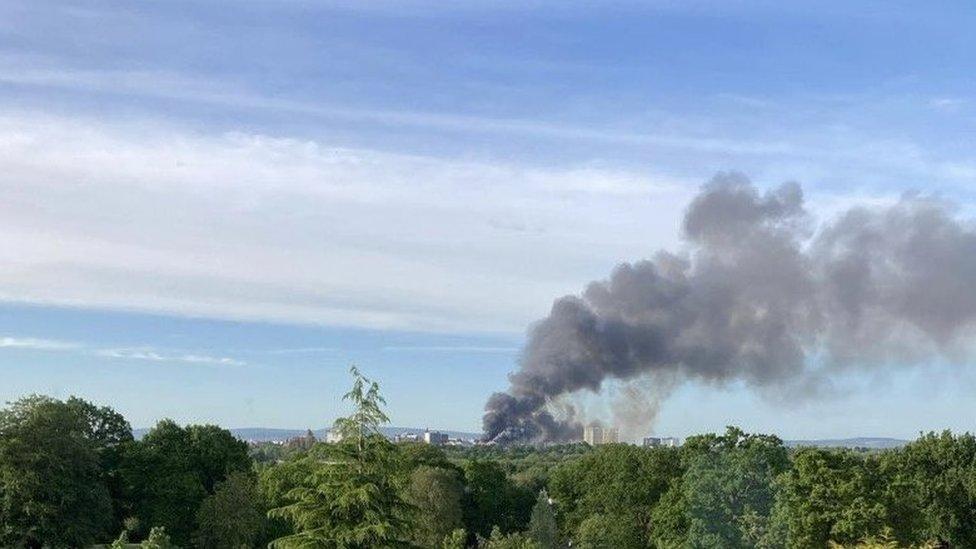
[758,292]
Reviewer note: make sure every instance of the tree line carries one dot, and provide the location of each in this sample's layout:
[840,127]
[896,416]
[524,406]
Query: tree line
[72,475]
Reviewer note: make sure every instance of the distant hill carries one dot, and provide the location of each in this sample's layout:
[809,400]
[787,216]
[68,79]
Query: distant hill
[878,443]
[262,434]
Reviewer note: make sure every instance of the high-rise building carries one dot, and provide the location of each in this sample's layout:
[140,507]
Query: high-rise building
[594,435]
[434,437]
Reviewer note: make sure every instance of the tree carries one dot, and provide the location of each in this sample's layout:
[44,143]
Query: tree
[350,499]
[53,489]
[172,469]
[435,494]
[455,540]
[542,525]
[233,516]
[121,542]
[619,481]
[885,540]
[669,518]
[416,454]
[492,499]
[216,454]
[729,488]
[931,492]
[600,531]
[158,539]
[110,434]
[831,495]
[163,486]
[498,540]
[367,414]
[276,482]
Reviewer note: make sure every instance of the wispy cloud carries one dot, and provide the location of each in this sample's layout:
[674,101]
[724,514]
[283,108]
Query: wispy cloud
[137,353]
[297,231]
[156,356]
[7,342]
[825,146]
[195,89]
[947,104]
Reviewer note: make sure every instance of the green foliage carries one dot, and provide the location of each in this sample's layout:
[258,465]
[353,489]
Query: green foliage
[728,488]
[276,482]
[70,472]
[492,499]
[131,524]
[932,489]
[173,469]
[164,488]
[350,498]
[455,540]
[121,542]
[367,413]
[600,531]
[416,454]
[831,495]
[542,524]
[669,519]
[884,540]
[54,485]
[435,493]
[233,516]
[615,481]
[216,453]
[498,540]
[110,433]
[527,466]
[158,539]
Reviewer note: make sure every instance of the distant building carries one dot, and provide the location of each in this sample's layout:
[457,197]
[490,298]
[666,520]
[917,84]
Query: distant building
[303,442]
[333,436]
[661,442]
[407,437]
[594,435]
[435,437]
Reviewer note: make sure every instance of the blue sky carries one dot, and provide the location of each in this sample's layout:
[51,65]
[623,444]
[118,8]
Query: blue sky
[212,208]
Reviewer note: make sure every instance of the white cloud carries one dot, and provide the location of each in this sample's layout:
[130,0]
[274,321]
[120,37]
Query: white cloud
[947,104]
[154,218]
[139,353]
[157,356]
[37,344]
[192,89]
[784,137]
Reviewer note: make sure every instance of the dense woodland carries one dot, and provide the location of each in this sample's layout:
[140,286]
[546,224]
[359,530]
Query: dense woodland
[71,475]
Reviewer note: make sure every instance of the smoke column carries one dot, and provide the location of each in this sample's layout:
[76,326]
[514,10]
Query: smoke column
[759,290]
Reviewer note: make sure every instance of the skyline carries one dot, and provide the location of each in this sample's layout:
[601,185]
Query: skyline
[223,209]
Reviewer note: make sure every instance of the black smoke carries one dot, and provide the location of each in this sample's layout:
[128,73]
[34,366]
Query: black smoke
[760,288]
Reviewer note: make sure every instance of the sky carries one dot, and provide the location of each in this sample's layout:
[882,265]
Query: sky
[210,209]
